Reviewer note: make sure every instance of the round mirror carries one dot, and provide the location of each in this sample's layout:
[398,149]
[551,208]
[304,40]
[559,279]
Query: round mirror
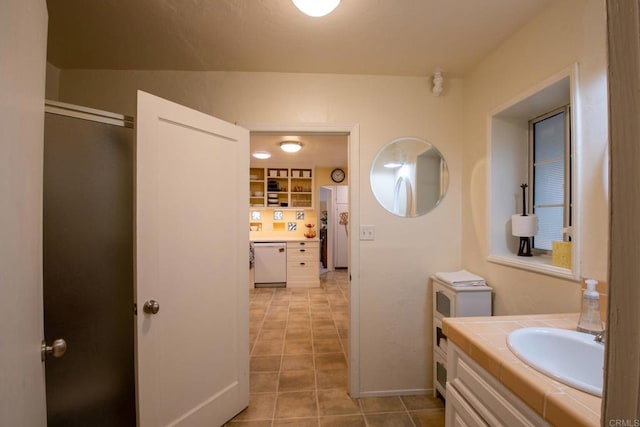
[409,177]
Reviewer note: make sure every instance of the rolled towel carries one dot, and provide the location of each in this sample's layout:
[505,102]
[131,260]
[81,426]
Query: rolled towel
[461,278]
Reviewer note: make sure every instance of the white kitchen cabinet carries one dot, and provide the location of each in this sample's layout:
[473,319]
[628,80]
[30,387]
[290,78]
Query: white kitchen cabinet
[453,301]
[477,398]
[303,264]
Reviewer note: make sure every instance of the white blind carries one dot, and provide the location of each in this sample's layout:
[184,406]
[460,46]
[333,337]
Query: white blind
[549,179]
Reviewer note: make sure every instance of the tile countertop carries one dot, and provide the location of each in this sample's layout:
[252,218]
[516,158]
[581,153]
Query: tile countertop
[484,339]
[282,239]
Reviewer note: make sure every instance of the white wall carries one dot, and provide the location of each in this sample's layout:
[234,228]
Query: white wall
[23,35]
[395,306]
[566,32]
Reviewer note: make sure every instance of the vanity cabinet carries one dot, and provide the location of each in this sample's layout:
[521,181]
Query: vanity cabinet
[453,301]
[476,398]
[303,264]
[281,187]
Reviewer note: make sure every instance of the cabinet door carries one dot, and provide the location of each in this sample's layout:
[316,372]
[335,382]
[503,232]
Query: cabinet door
[460,413]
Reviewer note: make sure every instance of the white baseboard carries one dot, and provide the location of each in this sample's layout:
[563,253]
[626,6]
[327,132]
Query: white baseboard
[383,393]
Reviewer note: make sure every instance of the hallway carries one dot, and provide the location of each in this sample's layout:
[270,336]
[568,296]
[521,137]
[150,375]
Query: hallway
[299,365]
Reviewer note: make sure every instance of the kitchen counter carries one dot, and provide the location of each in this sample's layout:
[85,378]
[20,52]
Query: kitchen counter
[484,339]
[282,239]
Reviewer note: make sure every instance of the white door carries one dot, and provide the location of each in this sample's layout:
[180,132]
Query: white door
[23,31]
[192,258]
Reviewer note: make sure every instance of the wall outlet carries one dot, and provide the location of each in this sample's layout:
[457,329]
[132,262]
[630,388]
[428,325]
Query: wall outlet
[367,232]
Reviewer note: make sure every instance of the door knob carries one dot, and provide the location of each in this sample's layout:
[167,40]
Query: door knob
[151,307]
[57,349]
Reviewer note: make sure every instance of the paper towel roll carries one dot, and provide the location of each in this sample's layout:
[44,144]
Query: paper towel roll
[524,226]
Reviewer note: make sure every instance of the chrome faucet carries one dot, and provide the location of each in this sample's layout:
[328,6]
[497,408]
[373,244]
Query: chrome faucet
[599,337]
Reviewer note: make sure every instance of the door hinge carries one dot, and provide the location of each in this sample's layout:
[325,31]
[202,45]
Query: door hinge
[135,309]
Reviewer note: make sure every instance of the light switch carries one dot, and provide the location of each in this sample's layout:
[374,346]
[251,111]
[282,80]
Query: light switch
[367,232]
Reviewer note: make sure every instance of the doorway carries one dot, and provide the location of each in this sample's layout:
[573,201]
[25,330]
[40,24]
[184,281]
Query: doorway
[352,133]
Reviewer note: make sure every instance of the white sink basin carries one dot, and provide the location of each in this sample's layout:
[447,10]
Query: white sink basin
[570,357]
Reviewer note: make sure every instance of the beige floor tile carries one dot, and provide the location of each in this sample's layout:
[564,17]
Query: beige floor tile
[335,378]
[265,363]
[330,361]
[342,421]
[298,333]
[322,324]
[299,307]
[325,333]
[263,382]
[298,404]
[296,422]
[381,404]
[267,347]
[296,362]
[274,324]
[428,417]
[279,316]
[299,317]
[272,334]
[261,407]
[298,346]
[395,419]
[327,345]
[320,315]
[296,381]
[299,324]
[422,402]
[336,402]
[259,423]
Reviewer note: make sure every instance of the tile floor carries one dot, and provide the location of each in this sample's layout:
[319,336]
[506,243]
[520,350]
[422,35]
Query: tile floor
[299,365]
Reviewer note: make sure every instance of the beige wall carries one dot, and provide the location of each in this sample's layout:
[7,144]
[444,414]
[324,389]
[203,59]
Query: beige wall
[395,308]
[566,32]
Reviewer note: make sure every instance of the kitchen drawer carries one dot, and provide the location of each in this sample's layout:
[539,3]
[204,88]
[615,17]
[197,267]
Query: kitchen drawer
[303,244]
[303,272]
[301,254]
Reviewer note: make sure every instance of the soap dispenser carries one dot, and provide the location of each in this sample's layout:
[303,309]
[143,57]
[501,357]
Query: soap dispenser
[590,321]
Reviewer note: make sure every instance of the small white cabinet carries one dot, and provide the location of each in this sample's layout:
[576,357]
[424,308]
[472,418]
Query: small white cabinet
[476,398]
[303,264]
[453,301]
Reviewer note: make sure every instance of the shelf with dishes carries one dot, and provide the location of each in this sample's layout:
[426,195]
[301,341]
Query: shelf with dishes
[281,187]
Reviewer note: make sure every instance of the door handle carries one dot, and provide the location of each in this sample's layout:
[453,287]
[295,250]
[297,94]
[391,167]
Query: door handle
[57,349]
[151,307]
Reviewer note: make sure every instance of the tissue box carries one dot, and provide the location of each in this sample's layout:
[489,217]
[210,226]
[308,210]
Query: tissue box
[561,254]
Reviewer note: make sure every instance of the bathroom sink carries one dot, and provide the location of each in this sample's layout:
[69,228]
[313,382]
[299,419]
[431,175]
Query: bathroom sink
[570,357]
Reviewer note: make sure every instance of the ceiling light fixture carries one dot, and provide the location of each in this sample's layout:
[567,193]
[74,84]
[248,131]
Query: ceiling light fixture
[262,155]
[290,146]
[316,8]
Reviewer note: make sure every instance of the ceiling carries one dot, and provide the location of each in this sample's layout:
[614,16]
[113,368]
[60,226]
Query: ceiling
[381,37]
[392,37]
[318,150]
